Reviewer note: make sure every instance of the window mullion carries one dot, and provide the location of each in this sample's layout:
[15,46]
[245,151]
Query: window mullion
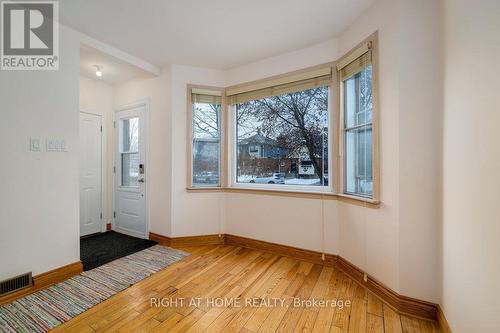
[352,128]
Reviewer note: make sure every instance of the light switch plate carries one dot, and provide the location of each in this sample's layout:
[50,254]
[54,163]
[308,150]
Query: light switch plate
[56,145]
[51,145]
[34,144]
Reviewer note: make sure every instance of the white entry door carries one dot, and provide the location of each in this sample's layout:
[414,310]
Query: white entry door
[130,172]
[90,174]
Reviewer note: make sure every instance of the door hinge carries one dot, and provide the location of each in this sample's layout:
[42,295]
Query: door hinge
[114,169]
[114,124]
[101,216]
[114,215]
[101,129]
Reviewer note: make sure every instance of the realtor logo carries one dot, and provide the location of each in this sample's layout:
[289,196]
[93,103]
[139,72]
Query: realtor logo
[29,35]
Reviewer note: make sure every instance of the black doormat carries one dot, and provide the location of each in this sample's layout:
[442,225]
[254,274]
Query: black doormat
[102,248]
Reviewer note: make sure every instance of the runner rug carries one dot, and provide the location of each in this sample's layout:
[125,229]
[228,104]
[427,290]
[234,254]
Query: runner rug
[48,308]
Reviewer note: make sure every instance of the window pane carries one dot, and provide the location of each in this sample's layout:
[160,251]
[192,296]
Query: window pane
[206,121]
[130,135]
[358,133]
[359,178]
[129,149]
[206,144]
[130,169]
[284,139]
[358,98]
[205,162]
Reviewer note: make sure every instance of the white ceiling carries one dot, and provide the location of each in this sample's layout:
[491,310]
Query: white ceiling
[210,33]
[113,69]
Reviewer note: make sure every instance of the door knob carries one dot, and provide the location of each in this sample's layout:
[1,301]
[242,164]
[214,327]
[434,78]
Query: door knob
[141,180]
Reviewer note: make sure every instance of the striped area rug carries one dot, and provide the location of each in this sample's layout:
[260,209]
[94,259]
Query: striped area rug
[48,308]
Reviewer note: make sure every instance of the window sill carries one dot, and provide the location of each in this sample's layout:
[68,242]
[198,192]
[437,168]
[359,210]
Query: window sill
[359,201]
[205,189]
[371,203]
[281,192]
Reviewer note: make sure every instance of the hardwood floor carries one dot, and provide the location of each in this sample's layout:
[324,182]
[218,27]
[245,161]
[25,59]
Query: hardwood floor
[216,274]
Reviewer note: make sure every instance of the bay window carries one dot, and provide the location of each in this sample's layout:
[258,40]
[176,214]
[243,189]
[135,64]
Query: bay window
[312,130]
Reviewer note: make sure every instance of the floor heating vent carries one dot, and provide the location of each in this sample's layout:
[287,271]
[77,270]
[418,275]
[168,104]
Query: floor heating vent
[16,283]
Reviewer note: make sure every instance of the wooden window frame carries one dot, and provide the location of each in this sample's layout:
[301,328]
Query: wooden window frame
[373,42]
[232,146]
[336,190]
[222,140]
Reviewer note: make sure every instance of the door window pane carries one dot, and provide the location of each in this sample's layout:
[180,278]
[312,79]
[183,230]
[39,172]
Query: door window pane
[206,144]
[129,151]
[130,169]
[130,135]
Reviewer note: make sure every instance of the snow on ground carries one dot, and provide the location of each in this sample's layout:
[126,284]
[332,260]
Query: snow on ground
[288,181]
[299,181]
[245,178]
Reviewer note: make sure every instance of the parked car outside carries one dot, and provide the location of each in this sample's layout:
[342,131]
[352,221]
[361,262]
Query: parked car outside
[276,178]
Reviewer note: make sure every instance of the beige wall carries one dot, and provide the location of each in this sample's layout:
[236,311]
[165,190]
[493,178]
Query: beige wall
[284,220]
[97,97]
[283,63]
[471,164]
[420,148]
[39,200]
[370,238]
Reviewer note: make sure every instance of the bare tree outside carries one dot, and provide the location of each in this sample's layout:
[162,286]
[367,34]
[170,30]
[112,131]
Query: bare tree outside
[206,120]
[206,143]
[297,121]
[130,151]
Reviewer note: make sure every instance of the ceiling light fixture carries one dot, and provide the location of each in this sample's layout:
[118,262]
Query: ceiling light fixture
[98,71]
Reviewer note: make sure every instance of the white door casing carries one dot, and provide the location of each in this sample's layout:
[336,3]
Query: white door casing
[130,199]
[90,174]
